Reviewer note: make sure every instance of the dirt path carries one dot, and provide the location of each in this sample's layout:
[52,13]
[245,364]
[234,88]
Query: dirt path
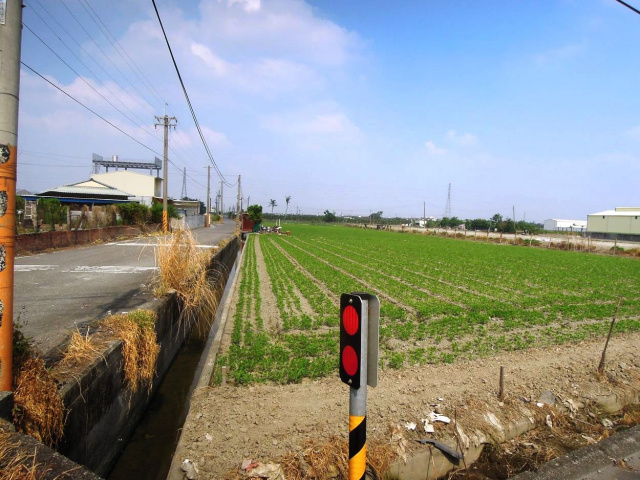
[264,422]
[269,308]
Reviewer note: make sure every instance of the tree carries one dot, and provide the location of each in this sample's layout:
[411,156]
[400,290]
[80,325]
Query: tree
[376,217]
[255,213]
[272,203]
[287,199]
[329,216]
[52,211]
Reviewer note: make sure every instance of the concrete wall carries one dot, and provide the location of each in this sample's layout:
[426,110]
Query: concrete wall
[619,223]
[134,183]
[102,412]
[37,242]
[191,221]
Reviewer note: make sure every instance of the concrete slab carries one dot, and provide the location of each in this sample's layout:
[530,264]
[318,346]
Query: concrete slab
[617,457]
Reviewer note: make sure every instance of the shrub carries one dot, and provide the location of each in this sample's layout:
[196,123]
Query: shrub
[156,212]
[133,213]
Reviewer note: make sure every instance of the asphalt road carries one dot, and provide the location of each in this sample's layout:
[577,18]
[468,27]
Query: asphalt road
[57,292]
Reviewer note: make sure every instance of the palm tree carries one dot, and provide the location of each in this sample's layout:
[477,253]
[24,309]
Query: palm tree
[272,203]
[287,199]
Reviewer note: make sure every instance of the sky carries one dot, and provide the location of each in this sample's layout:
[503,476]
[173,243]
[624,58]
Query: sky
[349,106]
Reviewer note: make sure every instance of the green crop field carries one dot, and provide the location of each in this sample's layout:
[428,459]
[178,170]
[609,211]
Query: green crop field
[442,299]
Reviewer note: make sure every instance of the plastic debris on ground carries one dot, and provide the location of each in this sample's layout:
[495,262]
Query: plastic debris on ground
[268,471]
[189,468]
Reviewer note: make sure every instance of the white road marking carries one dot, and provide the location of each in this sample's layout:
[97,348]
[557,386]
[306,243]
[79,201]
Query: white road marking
[33,268]
[109,269]
[154,245]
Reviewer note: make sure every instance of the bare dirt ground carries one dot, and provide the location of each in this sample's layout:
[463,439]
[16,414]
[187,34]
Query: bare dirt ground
[266,422]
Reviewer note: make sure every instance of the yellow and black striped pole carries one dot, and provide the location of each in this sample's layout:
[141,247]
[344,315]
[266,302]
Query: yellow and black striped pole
[357,446]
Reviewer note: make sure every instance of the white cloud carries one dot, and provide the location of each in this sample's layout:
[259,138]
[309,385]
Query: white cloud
[219,67]
[334,123]
[465,139]
[565,52]
[247,5]
[634,133]
[433,150]
[190,138]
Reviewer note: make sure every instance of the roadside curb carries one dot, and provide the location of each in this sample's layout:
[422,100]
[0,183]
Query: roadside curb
[212,349]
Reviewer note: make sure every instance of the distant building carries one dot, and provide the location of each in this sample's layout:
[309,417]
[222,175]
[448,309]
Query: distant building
[558,225]
[623,223]
[143,188]
[187,207]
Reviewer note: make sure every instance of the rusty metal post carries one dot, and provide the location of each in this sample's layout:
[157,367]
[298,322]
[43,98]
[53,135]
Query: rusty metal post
[10,44]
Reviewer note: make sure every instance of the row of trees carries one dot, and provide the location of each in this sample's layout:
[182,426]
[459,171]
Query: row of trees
[496,223]
[273,204]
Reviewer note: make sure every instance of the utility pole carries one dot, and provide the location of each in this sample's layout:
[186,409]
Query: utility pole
[166,123]
[238,204]
[221,200]
[207,219]
[10,44]
[424,214]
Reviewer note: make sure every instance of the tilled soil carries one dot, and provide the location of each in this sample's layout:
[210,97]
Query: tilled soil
[264,422]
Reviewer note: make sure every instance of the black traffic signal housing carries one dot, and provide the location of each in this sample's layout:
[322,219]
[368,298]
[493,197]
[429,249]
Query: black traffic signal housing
[351,348]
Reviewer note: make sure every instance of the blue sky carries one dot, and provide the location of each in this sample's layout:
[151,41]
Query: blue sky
[351,106]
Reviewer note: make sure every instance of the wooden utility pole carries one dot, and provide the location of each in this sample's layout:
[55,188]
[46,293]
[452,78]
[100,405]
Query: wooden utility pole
[238,204]
[207,219]
[166,123]
[221,201]
[10,45]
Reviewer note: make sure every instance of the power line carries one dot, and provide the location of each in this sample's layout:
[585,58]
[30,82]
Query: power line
[129,62]
[193,114]
[84,64]
[148,107]
[87,83]
[84,106]
[629,6]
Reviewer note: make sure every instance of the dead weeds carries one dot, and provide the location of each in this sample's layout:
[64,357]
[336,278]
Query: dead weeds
[39,411]
[15,464]
[136,331]
[184,267]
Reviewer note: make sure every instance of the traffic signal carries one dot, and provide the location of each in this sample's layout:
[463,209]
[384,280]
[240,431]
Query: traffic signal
[352,350]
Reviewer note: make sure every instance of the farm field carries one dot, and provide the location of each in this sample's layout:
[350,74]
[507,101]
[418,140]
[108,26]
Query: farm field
[443,300]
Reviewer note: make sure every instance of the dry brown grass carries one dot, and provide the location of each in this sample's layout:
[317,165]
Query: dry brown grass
[331,460]
[39,411]
[136,331]
[183,267]
[81,349]
[15,464]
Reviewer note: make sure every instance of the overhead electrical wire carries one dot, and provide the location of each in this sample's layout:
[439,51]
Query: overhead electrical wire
[146,106]
[84,64]
[629,6]
[104,119]
[184,90]
[105,86]
[89,109]
[132,63]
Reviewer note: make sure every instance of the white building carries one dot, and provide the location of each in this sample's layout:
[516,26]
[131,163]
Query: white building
[622,223]
[142,187]
[556,224]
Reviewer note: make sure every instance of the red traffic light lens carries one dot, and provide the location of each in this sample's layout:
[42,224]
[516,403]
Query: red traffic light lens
[350,360]
[350,320]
